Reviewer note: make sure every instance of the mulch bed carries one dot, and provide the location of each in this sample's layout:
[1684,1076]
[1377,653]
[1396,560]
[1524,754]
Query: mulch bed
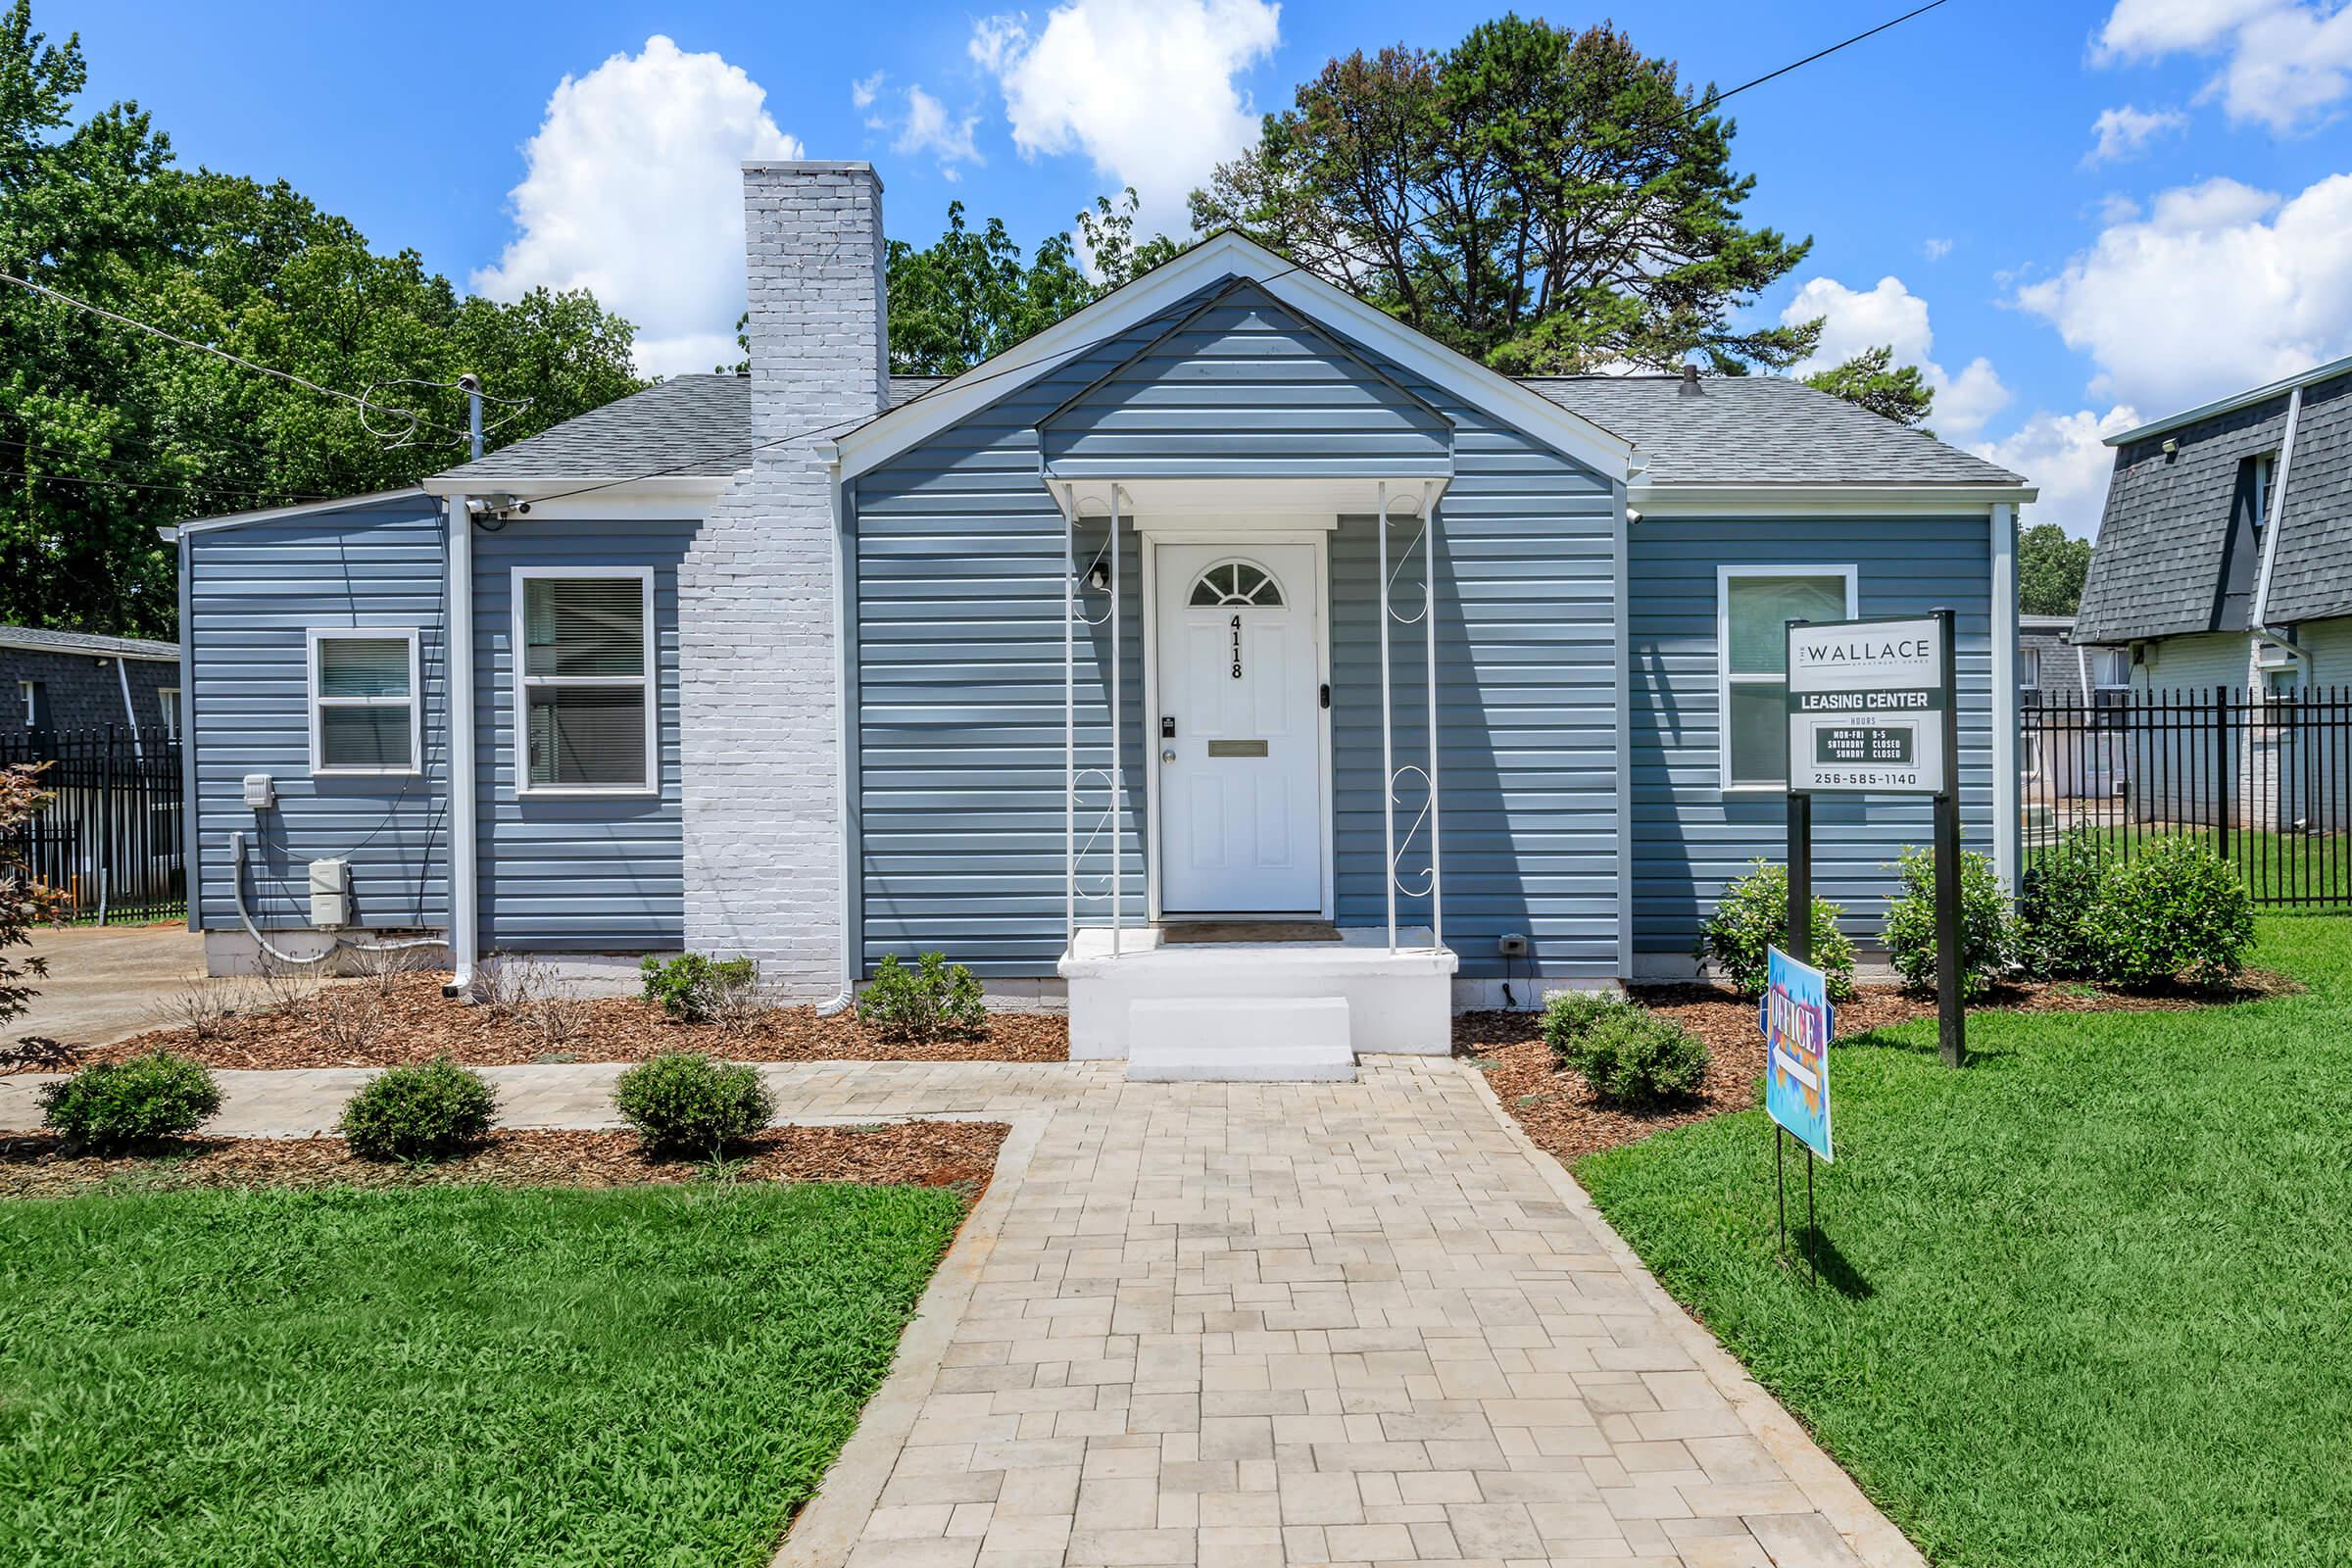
[917,1154]
[417,1023]
[1560,1114]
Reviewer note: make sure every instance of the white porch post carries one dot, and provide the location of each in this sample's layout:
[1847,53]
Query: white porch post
[1118,846]
[1069,713]
[1387,724]
[1429,617]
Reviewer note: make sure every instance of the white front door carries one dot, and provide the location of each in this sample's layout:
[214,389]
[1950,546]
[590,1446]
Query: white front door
[1238,740]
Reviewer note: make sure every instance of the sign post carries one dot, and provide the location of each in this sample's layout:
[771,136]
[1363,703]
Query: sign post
[1873,711]
[1798,1022]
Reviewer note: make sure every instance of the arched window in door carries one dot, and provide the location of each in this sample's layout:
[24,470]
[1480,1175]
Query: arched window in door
[1236,583]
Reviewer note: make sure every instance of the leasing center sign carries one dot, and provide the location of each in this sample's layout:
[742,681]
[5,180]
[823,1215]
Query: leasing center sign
[1866,705]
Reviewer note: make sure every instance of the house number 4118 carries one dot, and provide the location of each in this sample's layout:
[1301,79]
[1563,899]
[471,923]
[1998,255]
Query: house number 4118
[1237,648]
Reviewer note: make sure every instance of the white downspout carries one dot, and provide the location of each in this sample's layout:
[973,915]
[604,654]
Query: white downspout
[457,653]
[2274,505]
[131,714]
[2006,845]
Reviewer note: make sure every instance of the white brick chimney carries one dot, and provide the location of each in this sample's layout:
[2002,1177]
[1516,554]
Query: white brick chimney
[759,711]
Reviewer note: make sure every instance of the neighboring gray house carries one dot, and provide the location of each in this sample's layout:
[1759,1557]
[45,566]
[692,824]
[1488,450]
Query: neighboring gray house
[2049,666]
[2225,555]
[822,665]
[71,680]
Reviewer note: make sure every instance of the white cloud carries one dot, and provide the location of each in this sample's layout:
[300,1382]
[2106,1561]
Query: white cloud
[2285,63]
[633,189]
[864,92]
[1936,248]
[2066,456]
[927,128]
[2218,287]
[1853,320]
[2126,132]
[1144,89]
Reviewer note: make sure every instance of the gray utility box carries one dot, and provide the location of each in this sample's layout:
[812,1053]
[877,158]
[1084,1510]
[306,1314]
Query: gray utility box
[331,894]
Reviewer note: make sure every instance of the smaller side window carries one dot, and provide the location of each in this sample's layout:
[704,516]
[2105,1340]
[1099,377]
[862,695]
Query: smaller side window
[167,700]
[32,700]
[364,701]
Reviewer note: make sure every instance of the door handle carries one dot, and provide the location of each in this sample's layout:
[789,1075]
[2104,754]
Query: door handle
[1167,757]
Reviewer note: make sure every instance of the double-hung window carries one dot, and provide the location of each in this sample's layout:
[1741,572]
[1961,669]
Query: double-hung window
[363,708]
[166,697]
[1753,606]
[584,680]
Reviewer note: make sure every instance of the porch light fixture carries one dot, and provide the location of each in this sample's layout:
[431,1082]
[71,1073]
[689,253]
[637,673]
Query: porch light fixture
[1098,577]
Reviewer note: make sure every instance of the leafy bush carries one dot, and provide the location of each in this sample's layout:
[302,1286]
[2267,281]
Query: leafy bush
[1636,1056]
[1753,917]
[687,985]
[418,1112]
[1986,936]
[1569,1015]
[689,1104]
[2174,911]
[933,1001]
[123,1105]
[2055,905]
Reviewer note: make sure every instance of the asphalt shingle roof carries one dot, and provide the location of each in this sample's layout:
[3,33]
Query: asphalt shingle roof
[1761,430]
[2312,577]
[81,642]
[1743,430]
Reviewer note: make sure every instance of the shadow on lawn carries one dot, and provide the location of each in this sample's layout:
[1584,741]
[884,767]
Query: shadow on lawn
[1838,1271]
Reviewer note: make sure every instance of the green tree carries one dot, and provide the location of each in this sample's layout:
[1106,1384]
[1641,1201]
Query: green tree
[1544,200]
[2051,565]
[967,296]
[107,431]
[1872,380]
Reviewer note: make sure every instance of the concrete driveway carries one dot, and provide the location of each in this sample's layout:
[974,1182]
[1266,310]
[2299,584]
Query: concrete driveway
[108,982]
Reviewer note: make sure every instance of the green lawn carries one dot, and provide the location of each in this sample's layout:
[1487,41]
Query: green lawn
[2088,1301]
[441,1375]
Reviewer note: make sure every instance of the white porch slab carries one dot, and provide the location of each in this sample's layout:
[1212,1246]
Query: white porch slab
[1270,1040]
[1397,1002]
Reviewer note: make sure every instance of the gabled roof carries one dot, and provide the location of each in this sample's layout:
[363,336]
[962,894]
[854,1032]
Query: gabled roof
[40,639]
[2228,404]
[1763,431]
[1222,256]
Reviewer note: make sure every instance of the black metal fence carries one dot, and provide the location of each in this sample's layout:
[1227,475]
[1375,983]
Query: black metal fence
[109,838]
[2260,776]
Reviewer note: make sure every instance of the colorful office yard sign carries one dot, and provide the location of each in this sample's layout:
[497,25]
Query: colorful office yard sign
[1797,1021]
[1867,701]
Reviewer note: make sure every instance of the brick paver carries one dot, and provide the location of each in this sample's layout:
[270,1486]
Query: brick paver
[1227,1324]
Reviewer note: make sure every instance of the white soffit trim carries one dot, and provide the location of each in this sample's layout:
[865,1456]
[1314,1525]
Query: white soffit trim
[1225,498]
[1820,500]
[238,519]
[1223,255]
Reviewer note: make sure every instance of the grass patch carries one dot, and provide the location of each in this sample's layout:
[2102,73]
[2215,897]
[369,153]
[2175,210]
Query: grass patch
[2083,1303]
[442,1375]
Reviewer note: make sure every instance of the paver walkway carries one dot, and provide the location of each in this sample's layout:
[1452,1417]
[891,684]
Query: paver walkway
[1267,1324]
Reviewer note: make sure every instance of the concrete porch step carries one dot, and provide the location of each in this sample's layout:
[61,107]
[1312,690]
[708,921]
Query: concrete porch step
[1263,1040]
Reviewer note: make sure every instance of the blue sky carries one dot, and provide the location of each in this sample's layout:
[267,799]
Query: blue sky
[2087,212]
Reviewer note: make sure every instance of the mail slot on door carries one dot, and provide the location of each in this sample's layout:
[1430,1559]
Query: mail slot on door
[1237,748]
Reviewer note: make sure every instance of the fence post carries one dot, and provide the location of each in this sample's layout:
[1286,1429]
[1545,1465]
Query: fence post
[106,824]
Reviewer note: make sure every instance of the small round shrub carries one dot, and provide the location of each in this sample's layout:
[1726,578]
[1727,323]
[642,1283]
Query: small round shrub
[934,1001]
[124,1104]
[683,1103]
[2054,906]
[1752,917]
[1986,935]
[1637,1057]
[1569,1015]
[2174,911]
[688,986]
[418,1112]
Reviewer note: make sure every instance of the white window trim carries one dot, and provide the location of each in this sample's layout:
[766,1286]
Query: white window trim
[414,701]
[650,680]
[171,710]
[1725,680]
[27,695]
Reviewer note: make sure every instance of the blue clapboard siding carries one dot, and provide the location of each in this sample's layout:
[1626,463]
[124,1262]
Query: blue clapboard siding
[1242,388]
[960,611]
[1690,837]
[594,874]
[254,590]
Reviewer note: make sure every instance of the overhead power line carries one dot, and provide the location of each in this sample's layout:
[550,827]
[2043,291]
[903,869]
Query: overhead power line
[1026,366]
